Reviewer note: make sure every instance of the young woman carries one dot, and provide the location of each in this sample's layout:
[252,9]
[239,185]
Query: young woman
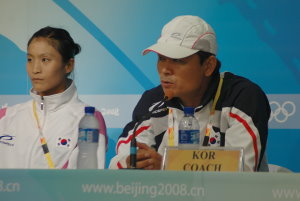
[43,132]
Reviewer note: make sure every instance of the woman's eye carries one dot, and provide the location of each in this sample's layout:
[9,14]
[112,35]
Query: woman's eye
[29,59]
[45,59]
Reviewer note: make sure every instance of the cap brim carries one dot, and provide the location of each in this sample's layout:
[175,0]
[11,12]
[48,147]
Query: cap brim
[170,50]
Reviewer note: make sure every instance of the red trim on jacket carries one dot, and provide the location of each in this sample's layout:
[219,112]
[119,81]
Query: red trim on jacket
[140,130]
[102,129]
[65,165]
[119,165]
[252,134]
[2,112]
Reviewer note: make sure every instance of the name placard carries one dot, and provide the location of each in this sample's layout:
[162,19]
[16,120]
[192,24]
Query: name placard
[217,159]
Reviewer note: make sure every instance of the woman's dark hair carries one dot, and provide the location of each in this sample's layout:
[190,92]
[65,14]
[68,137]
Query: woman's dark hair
[205,55]
[60,39]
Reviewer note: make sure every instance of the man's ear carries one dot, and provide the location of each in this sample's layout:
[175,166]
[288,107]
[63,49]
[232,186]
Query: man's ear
[69,66]
[210,65]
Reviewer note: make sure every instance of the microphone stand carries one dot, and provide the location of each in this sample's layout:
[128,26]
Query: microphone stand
[133,143]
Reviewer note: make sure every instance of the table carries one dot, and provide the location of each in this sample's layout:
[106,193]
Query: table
[123,185]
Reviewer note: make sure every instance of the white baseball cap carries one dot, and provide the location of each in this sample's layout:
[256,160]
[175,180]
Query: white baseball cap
[184,36]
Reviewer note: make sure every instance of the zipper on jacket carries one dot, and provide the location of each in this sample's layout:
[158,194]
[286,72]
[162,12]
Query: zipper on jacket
[42,103]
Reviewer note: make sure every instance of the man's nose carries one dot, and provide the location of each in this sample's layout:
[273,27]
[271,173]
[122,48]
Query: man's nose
[166,67]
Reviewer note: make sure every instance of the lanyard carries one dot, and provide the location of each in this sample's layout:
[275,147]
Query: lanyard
[42,138]
[212,111]
[209,125]
[170,128]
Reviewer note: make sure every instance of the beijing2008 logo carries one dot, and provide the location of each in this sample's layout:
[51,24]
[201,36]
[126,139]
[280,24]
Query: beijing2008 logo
[281,113]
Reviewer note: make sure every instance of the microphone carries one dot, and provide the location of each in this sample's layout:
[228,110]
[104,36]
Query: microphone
[133,144]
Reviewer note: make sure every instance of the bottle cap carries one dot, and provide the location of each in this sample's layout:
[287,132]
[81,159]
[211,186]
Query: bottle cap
[188,110]
[89,109]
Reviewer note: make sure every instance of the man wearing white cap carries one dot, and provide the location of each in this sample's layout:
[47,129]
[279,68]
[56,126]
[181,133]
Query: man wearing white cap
[235,110]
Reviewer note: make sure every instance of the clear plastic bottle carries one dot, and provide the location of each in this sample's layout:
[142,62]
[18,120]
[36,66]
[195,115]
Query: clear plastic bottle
[189,130]
[88,140]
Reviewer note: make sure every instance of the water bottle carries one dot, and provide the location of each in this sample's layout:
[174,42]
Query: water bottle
[189,130]
[88,140]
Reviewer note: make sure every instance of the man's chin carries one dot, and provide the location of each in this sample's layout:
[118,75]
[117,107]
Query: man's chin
[169,94]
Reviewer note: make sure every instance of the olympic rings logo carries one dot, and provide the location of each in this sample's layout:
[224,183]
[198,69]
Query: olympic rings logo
[281,113]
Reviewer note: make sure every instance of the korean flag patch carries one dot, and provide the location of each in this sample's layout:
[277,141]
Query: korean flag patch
[215,137]
[64,142]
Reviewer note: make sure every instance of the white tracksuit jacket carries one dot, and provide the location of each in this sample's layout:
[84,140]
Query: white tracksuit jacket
[20,145]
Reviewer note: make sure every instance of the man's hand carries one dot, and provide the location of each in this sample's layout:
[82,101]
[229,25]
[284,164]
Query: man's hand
[147,158]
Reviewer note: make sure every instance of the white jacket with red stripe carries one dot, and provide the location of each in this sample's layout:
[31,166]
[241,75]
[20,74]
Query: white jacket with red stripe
[59,116]
[240,120]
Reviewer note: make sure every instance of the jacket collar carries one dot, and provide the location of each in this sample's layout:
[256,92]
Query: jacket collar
[54,102]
